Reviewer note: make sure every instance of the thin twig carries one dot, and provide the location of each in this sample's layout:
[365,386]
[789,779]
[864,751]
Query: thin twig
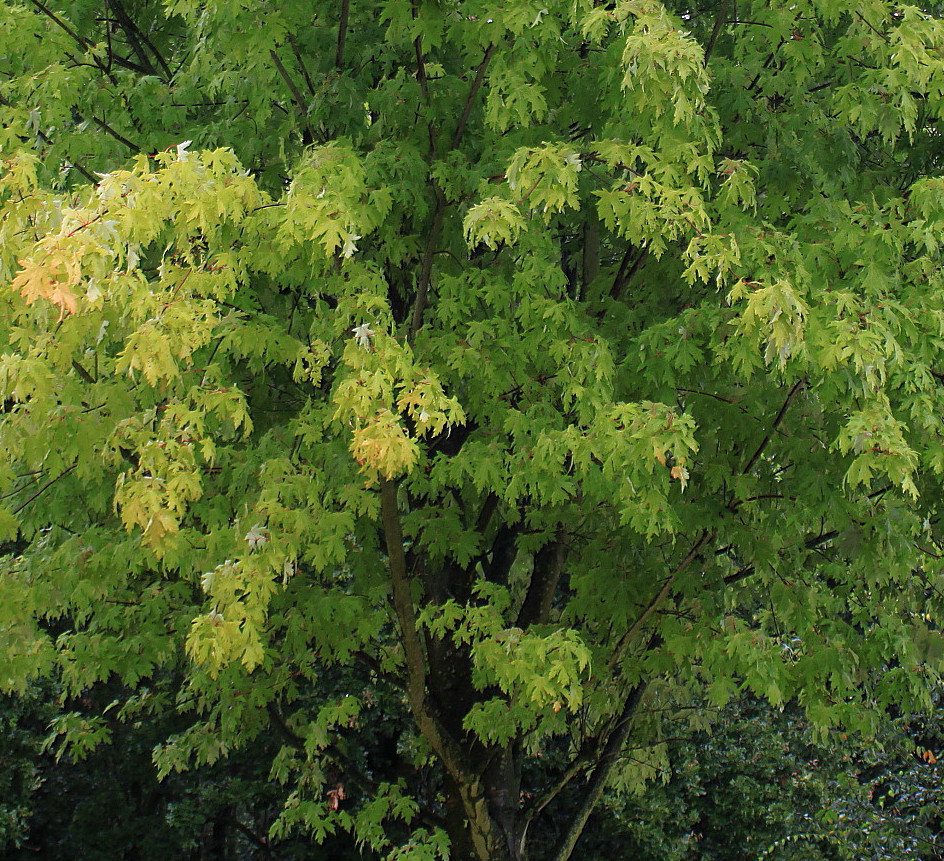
[46,486]
[878,33]
[18,490]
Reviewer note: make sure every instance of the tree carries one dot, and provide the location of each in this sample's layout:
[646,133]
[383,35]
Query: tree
[509,374]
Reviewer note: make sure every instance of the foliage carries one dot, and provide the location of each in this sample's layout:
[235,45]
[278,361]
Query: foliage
[109,803]
[758,783]
[524,371]
[20,776]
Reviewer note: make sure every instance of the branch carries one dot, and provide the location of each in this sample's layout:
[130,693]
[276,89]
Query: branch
[717,397]
[776,424]
[18,490]
[48,140]
[625,272]
[489,507]
[136,37]
[426,269]
[47,485]
[460,767]
[85,375]
[545,575]
[85,44]
[302,67]
[296,741]
[421,64]
[504,553]
[429,725]
[342,33]
[251,836]
[296,94]
[292,738]
[878,33]
[126,24]
[116,135]
[813,543]
[372,788]
[580,763]
[663,593]
[716,30]
[78,166]
[601,773]
[82,43]
[470,98]
[402,599]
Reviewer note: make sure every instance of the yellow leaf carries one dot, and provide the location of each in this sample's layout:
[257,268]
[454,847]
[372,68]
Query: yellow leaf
[53,280]
[383,445]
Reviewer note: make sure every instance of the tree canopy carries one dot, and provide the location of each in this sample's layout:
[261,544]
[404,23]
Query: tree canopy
[461,390]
